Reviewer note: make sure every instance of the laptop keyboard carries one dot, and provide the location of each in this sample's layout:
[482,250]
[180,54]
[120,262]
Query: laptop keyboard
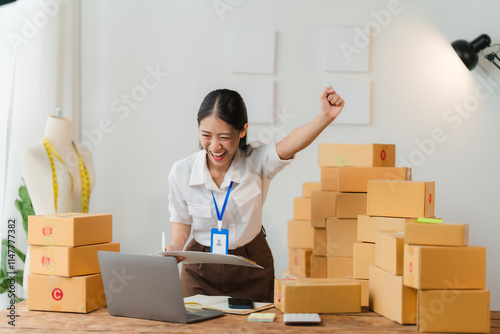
[194,316]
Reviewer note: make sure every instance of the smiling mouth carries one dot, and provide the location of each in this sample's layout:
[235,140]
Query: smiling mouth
[218,156]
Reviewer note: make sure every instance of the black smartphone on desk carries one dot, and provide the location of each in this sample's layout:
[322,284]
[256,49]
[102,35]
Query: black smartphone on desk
[240,303]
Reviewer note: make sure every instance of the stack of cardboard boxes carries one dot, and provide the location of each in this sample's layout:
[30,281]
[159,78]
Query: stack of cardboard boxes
[450,277]
[65,273]
[335,208]
[300,233]
[401,200]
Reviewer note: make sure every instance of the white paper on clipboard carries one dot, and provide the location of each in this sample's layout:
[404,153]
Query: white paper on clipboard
[203,257]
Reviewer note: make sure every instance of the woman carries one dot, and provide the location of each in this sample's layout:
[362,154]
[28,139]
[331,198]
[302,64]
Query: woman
[227,169]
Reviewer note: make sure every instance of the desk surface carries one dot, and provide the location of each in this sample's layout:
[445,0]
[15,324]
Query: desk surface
[100,321]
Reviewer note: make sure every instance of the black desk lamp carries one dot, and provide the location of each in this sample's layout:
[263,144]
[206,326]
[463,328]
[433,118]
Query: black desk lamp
[468,52]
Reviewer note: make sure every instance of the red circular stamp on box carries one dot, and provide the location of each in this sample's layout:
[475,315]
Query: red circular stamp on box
[411,267]
[279,296]
[57,294]
[430,198]
[45,260]
[383,155]
[46,230]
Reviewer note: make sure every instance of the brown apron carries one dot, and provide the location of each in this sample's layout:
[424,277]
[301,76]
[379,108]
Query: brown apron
[229,280]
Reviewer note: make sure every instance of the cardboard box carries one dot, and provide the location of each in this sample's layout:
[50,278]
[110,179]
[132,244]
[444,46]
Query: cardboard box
[368,225]
[390,298]
[68,261]
[329,178]
[350,205]
[302,209]
[410,199]
[358,155]
[309,187]
[323,205]
[365,290]
[317,295]
[319,248]
[338,267]
[389,251]
[340,236]
[441,267]
[355,179]
[460,311]
[318,266]
[437,234]
[69,229]
[300,234]
[363,258]
[300,261]
[81,294]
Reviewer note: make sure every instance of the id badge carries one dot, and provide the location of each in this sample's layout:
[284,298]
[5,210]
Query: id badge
[219,241]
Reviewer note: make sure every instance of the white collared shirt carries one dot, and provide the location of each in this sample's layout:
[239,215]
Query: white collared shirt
[191,186]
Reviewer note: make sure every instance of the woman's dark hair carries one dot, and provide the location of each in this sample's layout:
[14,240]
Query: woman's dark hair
[228,105]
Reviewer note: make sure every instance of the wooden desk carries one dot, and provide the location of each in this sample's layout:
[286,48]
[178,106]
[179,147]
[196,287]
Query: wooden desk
[100,321]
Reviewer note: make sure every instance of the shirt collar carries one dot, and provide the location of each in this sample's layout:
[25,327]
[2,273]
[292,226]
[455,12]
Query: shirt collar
[200,175]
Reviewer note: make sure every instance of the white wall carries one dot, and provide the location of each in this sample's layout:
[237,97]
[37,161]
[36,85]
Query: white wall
[415,76]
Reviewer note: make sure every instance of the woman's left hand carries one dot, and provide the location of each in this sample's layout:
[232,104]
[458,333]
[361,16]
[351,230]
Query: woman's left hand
[331,103]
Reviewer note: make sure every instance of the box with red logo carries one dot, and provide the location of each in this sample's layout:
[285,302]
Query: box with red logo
[299,260]
[309,187]
[80,294]
[69,229]
[359,155]
[443,267]
[355,179]
[316,295]
[68,261]
[410,199]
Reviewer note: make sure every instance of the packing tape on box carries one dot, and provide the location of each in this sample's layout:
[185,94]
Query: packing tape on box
[55,293]
[48,260]
[399,234]
[49,224]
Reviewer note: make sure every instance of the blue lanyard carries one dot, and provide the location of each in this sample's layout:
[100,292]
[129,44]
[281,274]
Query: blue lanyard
[220,214]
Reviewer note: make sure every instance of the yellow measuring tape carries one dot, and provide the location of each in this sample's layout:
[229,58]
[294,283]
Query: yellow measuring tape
[84,175]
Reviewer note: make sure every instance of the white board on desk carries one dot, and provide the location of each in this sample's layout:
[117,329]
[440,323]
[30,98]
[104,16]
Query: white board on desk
[347,49]
[253,51]
[258,94]
[357,97]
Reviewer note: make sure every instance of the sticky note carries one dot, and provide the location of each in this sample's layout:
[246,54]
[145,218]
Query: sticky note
[429,220]
[264,317]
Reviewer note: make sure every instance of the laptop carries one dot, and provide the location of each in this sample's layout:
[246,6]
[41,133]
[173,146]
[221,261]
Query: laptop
[146,287]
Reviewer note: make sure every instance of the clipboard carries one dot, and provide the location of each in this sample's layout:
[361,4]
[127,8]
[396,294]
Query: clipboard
[203,257]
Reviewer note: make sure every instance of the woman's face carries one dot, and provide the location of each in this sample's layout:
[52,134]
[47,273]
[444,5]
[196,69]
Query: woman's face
[220,140]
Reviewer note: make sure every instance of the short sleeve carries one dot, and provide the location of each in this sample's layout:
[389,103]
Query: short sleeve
[272,163]
[177,204]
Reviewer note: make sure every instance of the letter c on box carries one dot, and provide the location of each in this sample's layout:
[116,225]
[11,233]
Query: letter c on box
[57,294]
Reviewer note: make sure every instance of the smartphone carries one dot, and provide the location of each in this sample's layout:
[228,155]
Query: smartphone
[240,303]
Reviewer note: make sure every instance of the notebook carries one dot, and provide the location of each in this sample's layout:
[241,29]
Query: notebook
[146,287]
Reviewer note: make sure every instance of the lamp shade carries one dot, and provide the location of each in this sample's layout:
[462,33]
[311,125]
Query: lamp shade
[468,51]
